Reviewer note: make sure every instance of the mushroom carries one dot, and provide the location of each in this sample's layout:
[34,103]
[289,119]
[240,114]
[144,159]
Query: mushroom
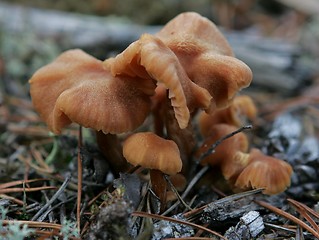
[266,172]
[209,62]
[228,154]
[237,114]
[193,60]
[161,156]
[150,58]
[79,88]
[242,169]
[206,57]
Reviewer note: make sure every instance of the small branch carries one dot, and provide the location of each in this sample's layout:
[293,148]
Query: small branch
[288,216]
[12,190]
[54,197]
[212,148]
[304,210]
[230,198]
[188,188]
[176,193]
[13,199]
[149,215]
[34,224]
[18,182]
[79,194]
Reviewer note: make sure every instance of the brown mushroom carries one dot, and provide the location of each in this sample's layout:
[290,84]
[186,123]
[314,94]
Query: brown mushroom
[78,88]
[193,60]
[161,156]
[151,151]
[209,62]
[227,154]
[237,114]
[206,57]
[149,58]
[266,172]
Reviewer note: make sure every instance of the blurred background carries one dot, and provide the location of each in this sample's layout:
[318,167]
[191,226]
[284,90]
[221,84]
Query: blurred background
[279,35]
[278,39]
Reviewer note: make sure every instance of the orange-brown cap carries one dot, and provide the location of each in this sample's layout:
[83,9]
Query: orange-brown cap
[189,31]
[150,58]
[206,56]
[266,172]
[151,151]
[237,114]
[76,87]
[227,154]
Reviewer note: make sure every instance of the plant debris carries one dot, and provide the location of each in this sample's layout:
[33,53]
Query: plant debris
[249,226]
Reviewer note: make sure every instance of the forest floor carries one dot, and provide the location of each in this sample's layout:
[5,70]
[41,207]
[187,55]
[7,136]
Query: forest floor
[60,186]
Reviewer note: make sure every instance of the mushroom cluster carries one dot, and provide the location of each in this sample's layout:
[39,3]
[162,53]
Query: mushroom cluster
[185,68]
[241,167]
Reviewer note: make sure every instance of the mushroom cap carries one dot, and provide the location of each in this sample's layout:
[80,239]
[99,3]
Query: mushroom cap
[151,151]
[150,58]
[189,31]
[222,76]
[266,172]
[76,87]
[241,109]
[206,57]
[229,154]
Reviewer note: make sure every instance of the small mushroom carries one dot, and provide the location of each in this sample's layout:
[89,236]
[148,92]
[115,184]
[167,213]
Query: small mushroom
[227,154]
[266,172]
[161,156]
[206,56]
[79,88]
[150,58]
[237,114]
[76,87]
[209,62]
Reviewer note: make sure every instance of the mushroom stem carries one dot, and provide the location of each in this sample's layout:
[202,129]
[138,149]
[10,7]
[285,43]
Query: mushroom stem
[184,138]
[111,148]
[158,109]
[159,186]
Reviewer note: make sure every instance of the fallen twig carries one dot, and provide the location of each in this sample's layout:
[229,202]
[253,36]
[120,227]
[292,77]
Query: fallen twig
[54,197]
[188,188]
[219,141]
[13,190]
[304,210]
[18,182]
[149,215]
[79,194]
[288,216]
